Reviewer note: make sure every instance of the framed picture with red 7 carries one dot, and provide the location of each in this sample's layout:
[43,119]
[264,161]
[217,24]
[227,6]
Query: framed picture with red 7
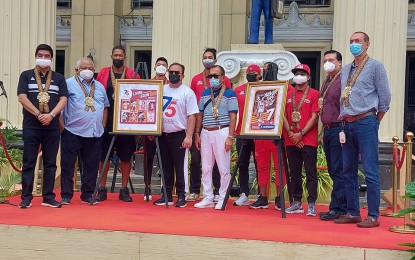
[263,114]
[138,106]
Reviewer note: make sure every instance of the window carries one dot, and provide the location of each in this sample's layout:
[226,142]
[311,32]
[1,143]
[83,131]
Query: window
[136,4]
[315,3]
[142,60]
[60,62]
[409,117]
[64,3]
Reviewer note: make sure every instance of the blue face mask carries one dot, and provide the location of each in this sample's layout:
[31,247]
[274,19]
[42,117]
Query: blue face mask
[214,83]
[356,49]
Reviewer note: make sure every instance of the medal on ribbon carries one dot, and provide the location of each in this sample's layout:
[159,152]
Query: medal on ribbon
[43,96]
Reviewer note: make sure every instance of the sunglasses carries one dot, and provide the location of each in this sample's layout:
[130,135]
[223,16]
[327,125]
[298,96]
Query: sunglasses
[174,72]
[213,76]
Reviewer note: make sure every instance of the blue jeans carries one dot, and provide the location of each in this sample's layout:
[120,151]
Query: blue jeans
[362,138]
[333,151]
[257,7]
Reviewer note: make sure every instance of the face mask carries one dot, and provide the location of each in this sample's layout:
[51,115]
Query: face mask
[174,78]
[251,77]
[161,70]
[43,63]
[118,63]
[299,79]
[329,67]
[356,49]
[208,63]
[86,74]
[214,83]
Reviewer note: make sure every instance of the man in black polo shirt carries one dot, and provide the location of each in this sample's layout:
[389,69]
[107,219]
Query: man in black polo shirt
[43,94]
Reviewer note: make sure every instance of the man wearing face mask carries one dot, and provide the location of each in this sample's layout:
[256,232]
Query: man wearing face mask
[301,139]
[253,74]
[124,144]
[364,100]
[329,104]
[43,94]
[160,68]
[83,120]
[200,83]
[214,135]
[179,117]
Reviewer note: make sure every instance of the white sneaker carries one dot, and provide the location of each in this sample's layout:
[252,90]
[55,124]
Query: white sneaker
[205,203]
[192,197]
[216,198]
[218,205]
[150,198]
[241,201]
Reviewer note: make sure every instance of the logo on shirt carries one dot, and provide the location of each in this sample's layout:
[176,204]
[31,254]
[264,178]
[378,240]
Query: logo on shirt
[242,93]
[169,108]
[199,83]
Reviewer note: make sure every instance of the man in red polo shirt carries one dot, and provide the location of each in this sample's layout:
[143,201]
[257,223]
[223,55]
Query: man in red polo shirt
[301,138]
[199,83]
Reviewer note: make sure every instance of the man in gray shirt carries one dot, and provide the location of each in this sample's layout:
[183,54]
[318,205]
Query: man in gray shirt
[365,98]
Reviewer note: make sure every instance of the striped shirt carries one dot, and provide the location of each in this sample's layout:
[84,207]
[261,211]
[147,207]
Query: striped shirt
[228,104]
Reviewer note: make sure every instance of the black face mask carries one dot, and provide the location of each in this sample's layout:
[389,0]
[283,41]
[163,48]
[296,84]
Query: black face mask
[251,77]
[118,63]
[174,78]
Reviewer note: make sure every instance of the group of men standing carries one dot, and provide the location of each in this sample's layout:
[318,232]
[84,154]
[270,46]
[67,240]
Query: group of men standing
[203,118]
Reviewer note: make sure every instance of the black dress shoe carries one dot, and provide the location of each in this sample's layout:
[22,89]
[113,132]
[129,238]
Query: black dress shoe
[330,215]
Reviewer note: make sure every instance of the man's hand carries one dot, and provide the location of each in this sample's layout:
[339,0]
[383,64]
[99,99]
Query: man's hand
[45,119]
[296,137]
[228,144]
[150,137]
[300,144]
[197,141]
[187,143]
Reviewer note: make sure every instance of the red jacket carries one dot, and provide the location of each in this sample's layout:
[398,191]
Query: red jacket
[104,74]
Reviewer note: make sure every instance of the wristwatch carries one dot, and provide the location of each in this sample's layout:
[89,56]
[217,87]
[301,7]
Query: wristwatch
[52,114]
[302,133]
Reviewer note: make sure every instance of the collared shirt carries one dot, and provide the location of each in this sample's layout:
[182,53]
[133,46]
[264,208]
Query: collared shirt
[228,104]
[331,104]
[197,84]
[370,92]
[76,119]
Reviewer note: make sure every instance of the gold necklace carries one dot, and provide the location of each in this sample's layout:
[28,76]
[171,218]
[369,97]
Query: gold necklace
[215,105]
[296,115]
[113,79]
[321,99]
[351,80]
[89,99]
[43,95]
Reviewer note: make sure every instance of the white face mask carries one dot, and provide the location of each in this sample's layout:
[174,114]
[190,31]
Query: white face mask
[299,79]
[329,67]
[43,63]
[161,70]
[86,74]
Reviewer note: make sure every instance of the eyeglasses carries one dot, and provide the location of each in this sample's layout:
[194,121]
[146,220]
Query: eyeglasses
[174,72]
[213,76]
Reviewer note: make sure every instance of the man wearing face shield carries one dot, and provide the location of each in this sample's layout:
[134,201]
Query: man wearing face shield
[301,139]
[43,94]
[124,144]
[83,120]
[253,74]
[329,104]
[199,83]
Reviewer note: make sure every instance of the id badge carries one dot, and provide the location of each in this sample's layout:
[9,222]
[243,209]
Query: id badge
[342,137]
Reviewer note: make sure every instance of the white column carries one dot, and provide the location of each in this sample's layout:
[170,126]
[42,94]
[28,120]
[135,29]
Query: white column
[23,25]
[385,22]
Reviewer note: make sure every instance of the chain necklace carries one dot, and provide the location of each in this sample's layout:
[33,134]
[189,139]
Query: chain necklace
[296,115]
[89,99]
[43,95]
[321,99]
[204,79]
[215,105]
[351,80]
[113,79]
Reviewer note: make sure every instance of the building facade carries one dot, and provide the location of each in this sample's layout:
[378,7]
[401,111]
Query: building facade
[180,30]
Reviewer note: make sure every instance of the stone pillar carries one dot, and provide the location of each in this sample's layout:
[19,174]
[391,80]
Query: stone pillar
[182,30]
[24,25]
[94,25]
[233,19]
[386,24]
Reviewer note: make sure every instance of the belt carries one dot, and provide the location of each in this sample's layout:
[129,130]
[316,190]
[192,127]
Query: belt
[351,119]
[331,125]
[173,133]
[215,127]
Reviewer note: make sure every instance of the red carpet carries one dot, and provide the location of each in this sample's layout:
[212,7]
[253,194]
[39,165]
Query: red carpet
[235,222]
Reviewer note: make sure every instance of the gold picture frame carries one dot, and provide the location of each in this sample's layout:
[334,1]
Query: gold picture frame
[263,114]
[138,107]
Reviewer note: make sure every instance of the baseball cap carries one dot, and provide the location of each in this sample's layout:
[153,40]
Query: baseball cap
[303,67]
[253,68]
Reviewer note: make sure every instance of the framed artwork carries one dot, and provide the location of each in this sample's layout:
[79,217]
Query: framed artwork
[263,115]
[138,106]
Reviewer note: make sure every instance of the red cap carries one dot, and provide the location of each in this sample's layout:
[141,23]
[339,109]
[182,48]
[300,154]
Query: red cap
[303,67]
[253,68]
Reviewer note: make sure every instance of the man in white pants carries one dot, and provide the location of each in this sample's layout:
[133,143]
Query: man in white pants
[218,107]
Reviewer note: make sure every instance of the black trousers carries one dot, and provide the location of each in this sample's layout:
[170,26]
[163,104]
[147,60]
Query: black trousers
[150,151]
[89,150]
[172,158]
[296,158]
[196,172]
[32,138]
[244,159]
